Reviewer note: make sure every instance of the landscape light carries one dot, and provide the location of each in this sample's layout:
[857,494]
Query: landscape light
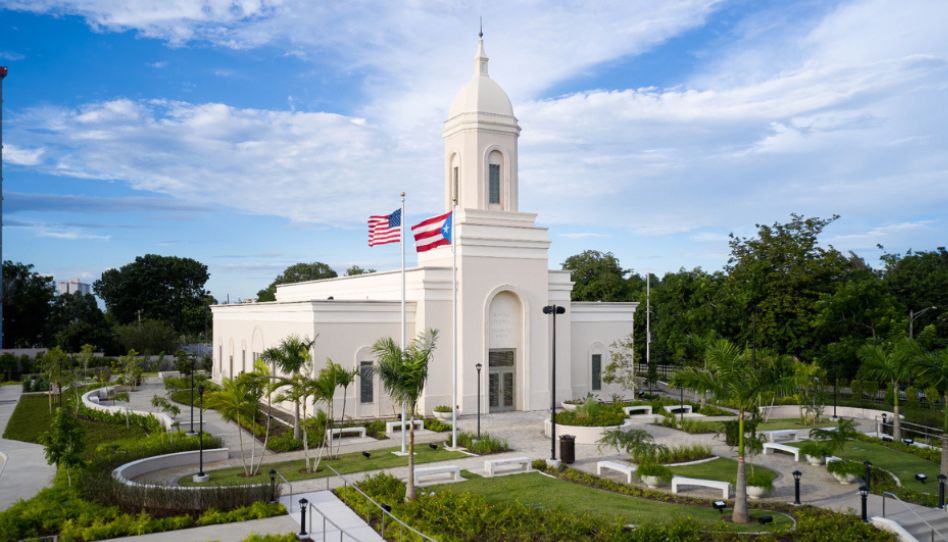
[764,520]
[719,506]
[921,477]
[908,441]
[366,455]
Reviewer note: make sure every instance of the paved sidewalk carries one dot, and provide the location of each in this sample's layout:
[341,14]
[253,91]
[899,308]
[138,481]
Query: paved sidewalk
[25,471]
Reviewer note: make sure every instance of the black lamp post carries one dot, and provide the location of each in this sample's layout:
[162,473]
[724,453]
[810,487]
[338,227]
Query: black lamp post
[835,387]
[864,494]
[303,503]
[273,482]
[554,310]
[201,476]
[796,487]
[191,427]
[882,431]
[941,491]
[478,367]
[868,465]
[681,407]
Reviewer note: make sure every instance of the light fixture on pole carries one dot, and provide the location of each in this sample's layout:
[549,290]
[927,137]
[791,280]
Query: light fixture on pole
[868,465]
[941,491]
[3,74]
[201,476]
[864,494]
[553,310]
[478,367]
[191,432]
[796,487]
[914,316]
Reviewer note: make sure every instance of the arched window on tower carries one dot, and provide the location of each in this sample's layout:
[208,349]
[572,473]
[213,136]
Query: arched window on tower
[494,162]
[455,180]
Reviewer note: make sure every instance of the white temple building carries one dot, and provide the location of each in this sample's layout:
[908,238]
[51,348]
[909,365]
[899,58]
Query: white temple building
[503,283]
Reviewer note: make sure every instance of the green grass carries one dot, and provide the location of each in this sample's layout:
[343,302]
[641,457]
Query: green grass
[345,464]
[788,423]
[534,489]
[723,469]
[901,464]
[31,418]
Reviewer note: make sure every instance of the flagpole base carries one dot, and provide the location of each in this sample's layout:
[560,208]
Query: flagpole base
[400,454]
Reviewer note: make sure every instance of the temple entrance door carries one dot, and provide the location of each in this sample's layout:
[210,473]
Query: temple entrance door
[501,379]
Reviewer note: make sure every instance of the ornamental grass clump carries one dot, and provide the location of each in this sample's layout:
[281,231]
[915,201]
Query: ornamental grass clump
[592,413]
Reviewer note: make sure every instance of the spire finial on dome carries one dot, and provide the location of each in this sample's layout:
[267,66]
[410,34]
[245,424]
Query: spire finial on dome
[480,59]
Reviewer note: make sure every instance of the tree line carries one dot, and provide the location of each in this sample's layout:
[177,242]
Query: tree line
[784,292]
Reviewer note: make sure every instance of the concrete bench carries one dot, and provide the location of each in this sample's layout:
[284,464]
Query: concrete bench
[640,410]
[776,447]
[491,465]
[782,434]
[624,468]
[341,431]
[453,470]
[678,409]
[391,427]
[725,487]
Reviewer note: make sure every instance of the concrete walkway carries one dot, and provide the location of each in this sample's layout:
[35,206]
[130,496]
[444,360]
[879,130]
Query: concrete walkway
[228,532]
[325,504]
[25,471]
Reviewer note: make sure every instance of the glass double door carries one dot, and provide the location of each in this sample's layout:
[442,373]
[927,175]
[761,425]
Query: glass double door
[501,369]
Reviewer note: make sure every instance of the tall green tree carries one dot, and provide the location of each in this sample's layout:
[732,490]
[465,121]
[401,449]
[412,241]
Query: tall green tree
[74,320]
[597,276]
[892,364]
[64,442]
[238,401]
[933,369]
[165,288]
[290,357]
[779,275]
[150,337]
[27,299]
[403,374]
[356,270]
[343,378]
[57,368]
[299,272]
[919,280]
[733,376]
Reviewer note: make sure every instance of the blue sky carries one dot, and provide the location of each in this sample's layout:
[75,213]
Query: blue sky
[254,134]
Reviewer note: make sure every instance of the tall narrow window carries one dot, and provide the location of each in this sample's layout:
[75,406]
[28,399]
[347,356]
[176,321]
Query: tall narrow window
[596,372]
[454,186]
[366,391]
[493,178]
[231,358]
[243,361]
[220,360]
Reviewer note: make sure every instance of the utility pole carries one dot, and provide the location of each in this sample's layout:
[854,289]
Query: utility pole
[648,321]
[3,74]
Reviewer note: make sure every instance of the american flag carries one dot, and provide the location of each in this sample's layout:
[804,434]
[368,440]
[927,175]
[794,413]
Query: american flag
[433,232]
[385,229]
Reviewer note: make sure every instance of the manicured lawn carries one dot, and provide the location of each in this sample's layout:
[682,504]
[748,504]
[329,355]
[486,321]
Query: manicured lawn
[788,423]
[31,419]
[722,468]
[345,464]
[534,489]
[901,464]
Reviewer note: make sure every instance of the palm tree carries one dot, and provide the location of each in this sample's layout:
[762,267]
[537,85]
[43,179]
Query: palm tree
[838,436]
[343,378]
[324,390]
[403,374]
[237,400]
[934,368]
[892,365]
[731,375]
[290,357]
[298,388]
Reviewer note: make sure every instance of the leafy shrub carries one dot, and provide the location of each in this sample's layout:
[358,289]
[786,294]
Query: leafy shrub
[284,442]
[760,478]
[690,425]
[538,464]
[592,414]
[651,469]
[731,431]
[816,449]
[442,408]
[710,410]
[675,454]
[288,537]
[487,444]
[436,425]
[376,429]
[846,467]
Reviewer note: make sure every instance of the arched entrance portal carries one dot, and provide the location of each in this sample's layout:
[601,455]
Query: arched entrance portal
[504,350]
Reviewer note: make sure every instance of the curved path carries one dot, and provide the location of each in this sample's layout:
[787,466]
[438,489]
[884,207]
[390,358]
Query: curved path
[25,471]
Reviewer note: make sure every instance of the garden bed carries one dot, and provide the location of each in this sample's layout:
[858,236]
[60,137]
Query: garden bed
[583,434]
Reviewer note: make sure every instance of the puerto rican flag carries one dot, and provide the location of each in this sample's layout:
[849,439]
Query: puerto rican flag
[433,232]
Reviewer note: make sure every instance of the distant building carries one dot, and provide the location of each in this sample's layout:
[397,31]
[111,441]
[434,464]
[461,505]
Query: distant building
[73,287]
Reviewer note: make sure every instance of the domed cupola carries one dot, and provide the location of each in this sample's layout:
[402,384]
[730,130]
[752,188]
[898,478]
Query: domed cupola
[480,145]
[481,94]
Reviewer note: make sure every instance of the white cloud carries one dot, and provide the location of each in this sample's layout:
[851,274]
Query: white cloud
[11,56]
[22,156]
[582,235]
[63,232]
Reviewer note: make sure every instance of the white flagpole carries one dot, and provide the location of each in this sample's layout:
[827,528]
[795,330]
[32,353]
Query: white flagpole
[404,322]
[454,329]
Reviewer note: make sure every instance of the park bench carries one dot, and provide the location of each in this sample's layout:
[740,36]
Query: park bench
[640,410]
[725,487]
[390,427]
[624,468]
[341,431]
[776,447]
[678,409]
[782,434]
[491,465]
[423,472]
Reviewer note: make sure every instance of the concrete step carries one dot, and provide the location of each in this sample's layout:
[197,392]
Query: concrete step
[325,505]
[921,526]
